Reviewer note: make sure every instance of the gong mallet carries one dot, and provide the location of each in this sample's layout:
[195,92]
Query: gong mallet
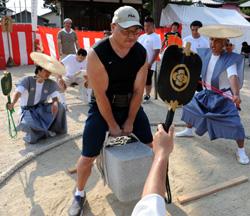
[6,84]
[179,73]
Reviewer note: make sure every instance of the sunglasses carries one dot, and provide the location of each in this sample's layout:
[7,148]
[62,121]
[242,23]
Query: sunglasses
[127,32]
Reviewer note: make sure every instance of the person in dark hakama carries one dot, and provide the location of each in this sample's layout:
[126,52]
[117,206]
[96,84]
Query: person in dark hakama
[39,118]
[210,111]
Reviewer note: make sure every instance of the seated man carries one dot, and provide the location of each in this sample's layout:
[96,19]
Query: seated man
[40,119]
[75,66]
[210,111]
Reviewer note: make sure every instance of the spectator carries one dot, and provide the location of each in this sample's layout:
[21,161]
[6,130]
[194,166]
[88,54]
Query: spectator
[196,40]
[75,65]
[245,50]
[67,40]
[152,202]
[107,33]
[152,43]
[229,46]
[174,32]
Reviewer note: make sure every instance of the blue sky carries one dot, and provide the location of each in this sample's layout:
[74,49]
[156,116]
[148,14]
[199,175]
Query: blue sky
[40,9]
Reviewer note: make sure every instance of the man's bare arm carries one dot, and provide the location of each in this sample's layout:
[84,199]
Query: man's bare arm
[235,87]
[98,79]
[162,147]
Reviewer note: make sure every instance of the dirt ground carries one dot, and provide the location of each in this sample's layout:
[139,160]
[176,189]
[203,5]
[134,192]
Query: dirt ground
[43,186]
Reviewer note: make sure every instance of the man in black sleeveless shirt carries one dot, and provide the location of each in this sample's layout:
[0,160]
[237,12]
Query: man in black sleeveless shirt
[117,72]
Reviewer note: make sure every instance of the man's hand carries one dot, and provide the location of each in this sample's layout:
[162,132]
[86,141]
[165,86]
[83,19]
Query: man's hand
[236,99]
[85,81]
[54,107]
[115,131]
[61,83]
[127,128]
[163,142]
[10,106]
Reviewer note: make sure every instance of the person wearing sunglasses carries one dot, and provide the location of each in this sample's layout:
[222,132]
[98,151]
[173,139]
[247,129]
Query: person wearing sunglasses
[117,71]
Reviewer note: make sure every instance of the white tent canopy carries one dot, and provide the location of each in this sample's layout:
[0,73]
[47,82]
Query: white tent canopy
[208,16]
[245,4]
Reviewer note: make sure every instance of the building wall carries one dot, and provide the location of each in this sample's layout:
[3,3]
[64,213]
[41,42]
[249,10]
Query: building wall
[53,19]
[91,15]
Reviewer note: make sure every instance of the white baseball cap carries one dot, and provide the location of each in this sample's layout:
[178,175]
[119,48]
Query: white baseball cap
[126,17]
[67,20]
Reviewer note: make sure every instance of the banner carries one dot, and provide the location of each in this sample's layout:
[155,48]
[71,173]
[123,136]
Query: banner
[21,42]
[34,5]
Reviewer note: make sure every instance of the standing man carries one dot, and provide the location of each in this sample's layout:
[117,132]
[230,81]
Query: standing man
[173,33]
[67,40]
[196,40]
[152,43]
[245,50]
[117,71]
[210,111]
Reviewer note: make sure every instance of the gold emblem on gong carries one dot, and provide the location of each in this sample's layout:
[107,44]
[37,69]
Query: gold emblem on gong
[179,77]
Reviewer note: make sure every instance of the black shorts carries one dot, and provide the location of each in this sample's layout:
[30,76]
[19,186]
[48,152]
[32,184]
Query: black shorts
[149,77]
[96,128]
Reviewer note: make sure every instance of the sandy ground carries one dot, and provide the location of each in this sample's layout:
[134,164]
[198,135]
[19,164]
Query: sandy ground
[43,187]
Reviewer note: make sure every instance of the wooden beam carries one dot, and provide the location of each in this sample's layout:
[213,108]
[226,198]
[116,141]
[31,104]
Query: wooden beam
[210,190]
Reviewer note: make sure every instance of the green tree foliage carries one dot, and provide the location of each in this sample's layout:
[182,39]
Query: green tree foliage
[246,11]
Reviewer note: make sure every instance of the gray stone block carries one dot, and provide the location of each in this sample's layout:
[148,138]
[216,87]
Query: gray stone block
[127,169]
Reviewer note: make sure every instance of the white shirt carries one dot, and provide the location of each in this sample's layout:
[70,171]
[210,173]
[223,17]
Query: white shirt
[71,30]
[150,42]
[73,66]
[196,43]
[150,205]
[224,77]
[25,94]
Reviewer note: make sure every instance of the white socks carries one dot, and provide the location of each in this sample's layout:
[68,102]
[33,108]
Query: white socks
[241,151]
[242,156]
[80,193]
[187,132]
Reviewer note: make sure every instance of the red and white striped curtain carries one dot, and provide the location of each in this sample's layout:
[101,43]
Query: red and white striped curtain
[21,42]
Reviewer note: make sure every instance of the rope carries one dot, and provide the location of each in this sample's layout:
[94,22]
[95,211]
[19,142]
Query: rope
[225,94]
[11,123]
[32,155]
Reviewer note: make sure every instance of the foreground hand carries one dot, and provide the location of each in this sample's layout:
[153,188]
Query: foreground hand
[127,128]
[163,141]
[54,107]
[115,131]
